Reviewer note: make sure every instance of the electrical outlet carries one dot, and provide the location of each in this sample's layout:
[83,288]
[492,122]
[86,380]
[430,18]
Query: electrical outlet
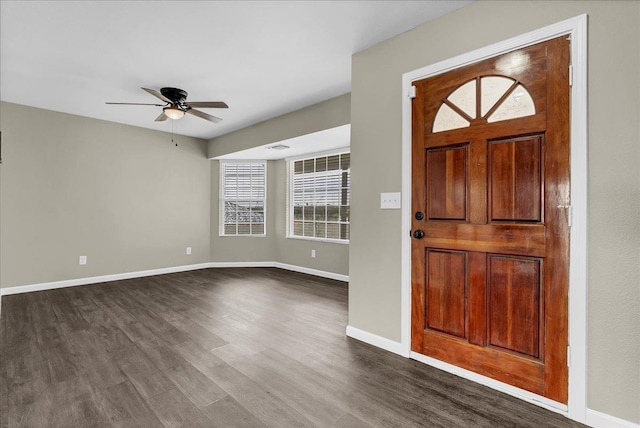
[313,254]
[82,260]
[188,251]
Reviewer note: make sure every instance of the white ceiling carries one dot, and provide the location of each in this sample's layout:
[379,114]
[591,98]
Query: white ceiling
[264,58]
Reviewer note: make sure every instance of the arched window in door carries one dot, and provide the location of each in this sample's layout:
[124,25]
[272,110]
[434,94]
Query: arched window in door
[487,99]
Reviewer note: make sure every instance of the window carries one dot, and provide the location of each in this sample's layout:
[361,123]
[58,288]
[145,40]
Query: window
[500,98]
[243,198]
[320,198]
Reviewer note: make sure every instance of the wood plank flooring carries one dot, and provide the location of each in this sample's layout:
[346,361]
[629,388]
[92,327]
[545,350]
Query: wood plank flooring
[248,347]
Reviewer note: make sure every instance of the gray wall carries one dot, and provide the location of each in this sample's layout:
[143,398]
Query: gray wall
[614,179]
[126,197]
[330,257]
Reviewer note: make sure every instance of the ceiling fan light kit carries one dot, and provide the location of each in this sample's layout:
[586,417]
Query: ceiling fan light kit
[177,105]
[173,112]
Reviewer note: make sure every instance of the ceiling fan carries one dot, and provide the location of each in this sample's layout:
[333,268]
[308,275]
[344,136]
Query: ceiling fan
[176,105]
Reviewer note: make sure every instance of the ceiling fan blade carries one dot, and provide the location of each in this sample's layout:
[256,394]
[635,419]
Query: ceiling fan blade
[204,115]
[162,117]
[157,95]
[137,104]
[208,104]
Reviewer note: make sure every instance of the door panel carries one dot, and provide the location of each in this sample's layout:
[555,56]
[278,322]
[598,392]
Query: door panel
[514,304]
[490,162]
[446,284]
[515,179]
[447,183]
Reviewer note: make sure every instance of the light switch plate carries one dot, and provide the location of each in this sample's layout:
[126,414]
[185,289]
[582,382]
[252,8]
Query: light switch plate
[390,201]
[188,251]
[82,260]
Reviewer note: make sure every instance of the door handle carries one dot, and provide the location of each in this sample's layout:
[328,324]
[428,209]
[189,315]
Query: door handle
[418,234]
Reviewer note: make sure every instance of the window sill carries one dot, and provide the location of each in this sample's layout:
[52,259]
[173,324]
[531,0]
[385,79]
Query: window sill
[242,236]
[308,238]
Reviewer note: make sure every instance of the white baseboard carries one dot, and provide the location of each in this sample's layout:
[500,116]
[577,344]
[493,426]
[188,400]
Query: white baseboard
[240,264]
[98,279]
[602,420]
[375,340]
[140,274]
[315,272]
[285,266]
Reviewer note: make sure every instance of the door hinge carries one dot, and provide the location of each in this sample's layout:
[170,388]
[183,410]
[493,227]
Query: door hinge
[412,92]
[569,210]
[571,75]
[568,356]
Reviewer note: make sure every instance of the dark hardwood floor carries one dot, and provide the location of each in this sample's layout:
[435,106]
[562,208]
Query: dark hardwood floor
[245,347]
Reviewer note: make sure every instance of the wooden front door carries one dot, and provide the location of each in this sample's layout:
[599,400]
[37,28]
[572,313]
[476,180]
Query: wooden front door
[490,198]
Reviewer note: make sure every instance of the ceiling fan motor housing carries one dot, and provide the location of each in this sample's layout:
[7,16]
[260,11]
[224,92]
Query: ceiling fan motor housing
[177,96]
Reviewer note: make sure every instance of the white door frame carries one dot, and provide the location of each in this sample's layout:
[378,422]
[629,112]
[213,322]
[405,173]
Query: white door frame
[576,28]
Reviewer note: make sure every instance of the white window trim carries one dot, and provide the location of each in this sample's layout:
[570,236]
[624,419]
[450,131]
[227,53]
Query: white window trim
[221,197]
[313,238]
[289,196]
[338,151]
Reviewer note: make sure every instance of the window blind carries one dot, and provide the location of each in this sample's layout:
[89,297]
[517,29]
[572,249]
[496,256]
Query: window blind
[320,197]
[243,190]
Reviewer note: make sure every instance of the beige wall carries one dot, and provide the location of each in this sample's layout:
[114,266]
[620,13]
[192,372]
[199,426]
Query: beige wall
[327,114]
[126,197]
[614,181]
[130,200]
[275,247]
